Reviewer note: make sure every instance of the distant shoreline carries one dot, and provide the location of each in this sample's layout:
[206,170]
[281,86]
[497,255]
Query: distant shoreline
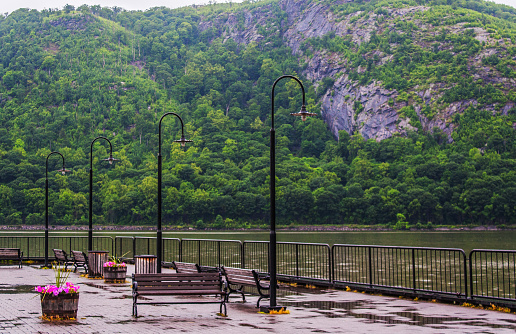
[307,228]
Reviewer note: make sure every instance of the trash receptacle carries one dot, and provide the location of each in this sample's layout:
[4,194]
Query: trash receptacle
[145,264]
[96,260]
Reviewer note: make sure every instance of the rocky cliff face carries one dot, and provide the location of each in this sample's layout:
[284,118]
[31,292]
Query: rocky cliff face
[369,109]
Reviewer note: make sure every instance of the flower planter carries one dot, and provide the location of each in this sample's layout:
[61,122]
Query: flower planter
[61,307]
[115,274]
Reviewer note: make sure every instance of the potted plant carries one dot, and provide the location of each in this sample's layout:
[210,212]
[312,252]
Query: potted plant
[59,301]
[115,270]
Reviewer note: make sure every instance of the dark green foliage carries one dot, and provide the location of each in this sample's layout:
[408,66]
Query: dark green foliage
[69,76]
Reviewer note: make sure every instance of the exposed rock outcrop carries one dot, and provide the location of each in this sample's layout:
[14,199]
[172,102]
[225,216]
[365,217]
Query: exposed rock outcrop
[369,109]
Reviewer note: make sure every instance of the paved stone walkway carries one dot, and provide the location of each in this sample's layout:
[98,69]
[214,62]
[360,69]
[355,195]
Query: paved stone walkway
[106,308]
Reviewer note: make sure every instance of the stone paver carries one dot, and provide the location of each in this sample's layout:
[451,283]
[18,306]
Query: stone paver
[106,308]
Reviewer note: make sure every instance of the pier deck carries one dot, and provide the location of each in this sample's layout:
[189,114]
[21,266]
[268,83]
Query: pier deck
[106,308]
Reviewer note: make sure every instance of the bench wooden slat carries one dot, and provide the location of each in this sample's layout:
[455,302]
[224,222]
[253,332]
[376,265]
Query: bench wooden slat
[172,275]
[183,285]
[180,293]
[185,267]
[177,287]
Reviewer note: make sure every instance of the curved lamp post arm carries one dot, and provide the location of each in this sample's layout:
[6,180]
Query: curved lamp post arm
[61,170]
[272,93]
[110,150]
[183,140]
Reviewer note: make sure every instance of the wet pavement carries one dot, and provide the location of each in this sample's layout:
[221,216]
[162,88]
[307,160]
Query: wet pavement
[106,308]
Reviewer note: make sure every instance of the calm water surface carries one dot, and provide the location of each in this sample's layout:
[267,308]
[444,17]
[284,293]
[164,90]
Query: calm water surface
[466,240]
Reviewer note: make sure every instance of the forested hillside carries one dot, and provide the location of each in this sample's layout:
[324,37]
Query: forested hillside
[416,102]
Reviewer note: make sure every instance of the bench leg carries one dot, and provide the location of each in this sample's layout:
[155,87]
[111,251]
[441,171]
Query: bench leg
[135,308]
[236,290]
[258,303]
[223,303]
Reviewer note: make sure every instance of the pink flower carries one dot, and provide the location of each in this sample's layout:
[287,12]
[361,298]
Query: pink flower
[68,288]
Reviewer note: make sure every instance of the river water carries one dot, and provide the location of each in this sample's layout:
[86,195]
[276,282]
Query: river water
[466,240]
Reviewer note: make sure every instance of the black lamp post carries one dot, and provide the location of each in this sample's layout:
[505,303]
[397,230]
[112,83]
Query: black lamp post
[183,142]
[110,159]
[63,170]
[272,243]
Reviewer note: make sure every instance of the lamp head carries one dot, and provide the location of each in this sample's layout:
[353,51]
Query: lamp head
[183,141]
[64,171]
[303,113]
[110,159]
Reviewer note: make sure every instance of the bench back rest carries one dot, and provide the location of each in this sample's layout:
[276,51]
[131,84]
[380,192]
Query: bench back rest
[239,276]
[178,282]
[10,253]
[79,256]
[60,254]
[185,267]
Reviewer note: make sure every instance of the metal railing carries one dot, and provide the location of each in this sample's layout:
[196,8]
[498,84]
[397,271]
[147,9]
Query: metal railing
[171,249]
[413,269]
[212,253]
[295,261]
[33,247]
[486,275]
[492,274]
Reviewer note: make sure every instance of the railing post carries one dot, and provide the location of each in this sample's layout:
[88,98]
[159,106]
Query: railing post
[471,273]
[414,269]
[330,263]
[180,250]
[370,267]
[218,253]
[465,274]
[297,260]
[242,255]
[199,252]
[134,247]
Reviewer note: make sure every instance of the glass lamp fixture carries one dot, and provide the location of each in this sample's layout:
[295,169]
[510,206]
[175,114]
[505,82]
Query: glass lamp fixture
[64,171]
[183,141]
[303,113]
[110,159]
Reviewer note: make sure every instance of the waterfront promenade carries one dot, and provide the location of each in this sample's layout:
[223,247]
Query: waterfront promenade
[106,308]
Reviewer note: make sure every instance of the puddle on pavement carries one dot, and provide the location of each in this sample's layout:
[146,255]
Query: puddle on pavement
[333,309]
[14,289]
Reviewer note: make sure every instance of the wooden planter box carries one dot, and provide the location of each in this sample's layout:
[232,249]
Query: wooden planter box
[61,307]
[115,274]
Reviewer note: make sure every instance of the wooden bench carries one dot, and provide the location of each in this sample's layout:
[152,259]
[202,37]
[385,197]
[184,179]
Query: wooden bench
[11,254]
[62,258]
[186,267]
[173,284]
[80,260]
[245,277]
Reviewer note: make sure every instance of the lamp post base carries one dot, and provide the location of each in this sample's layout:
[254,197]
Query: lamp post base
[272,309]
